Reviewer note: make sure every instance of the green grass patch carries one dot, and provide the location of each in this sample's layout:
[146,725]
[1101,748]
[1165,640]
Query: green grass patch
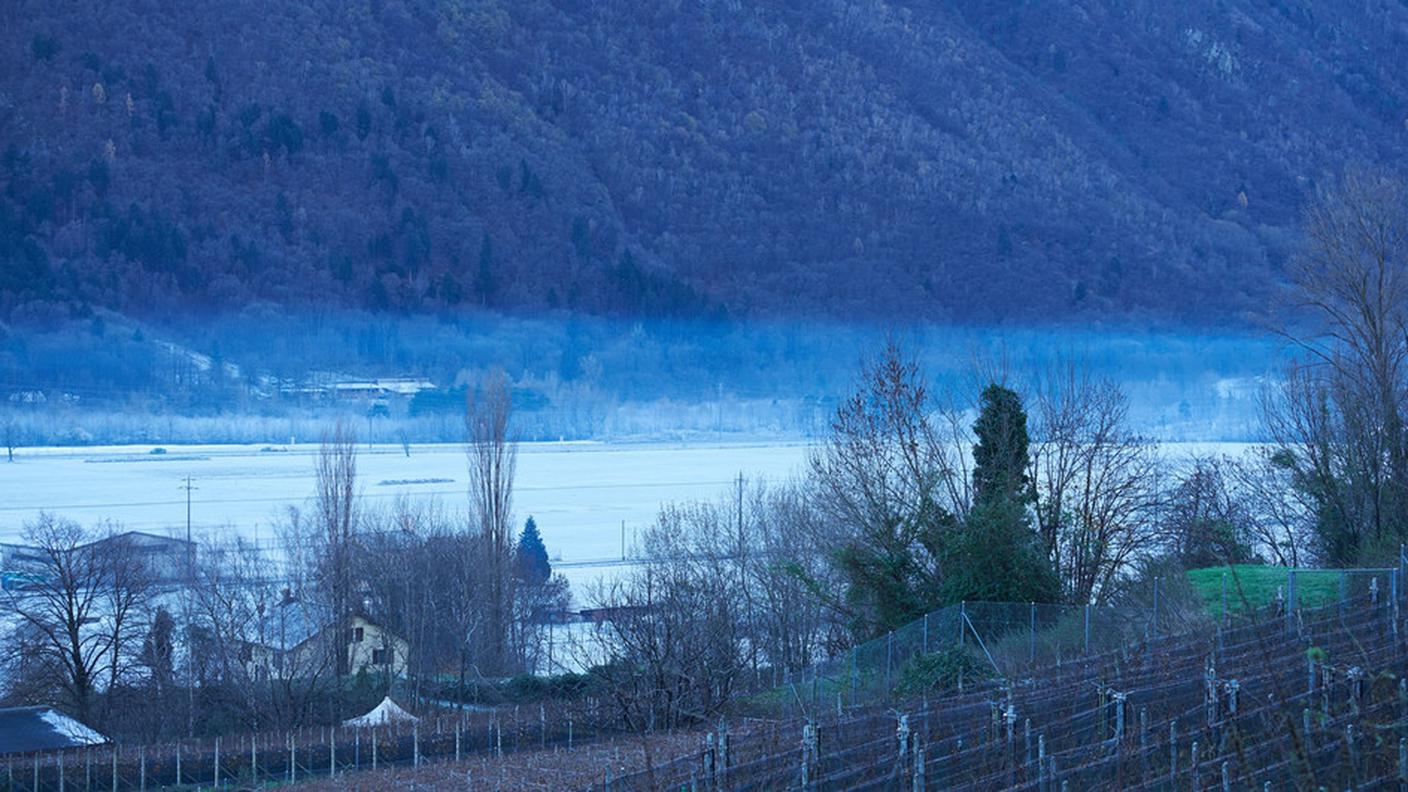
[1255,586]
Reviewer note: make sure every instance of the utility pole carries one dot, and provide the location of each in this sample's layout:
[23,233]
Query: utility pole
[190,581]
[190,560]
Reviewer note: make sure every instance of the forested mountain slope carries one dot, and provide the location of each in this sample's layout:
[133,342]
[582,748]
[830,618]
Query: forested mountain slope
[968,160]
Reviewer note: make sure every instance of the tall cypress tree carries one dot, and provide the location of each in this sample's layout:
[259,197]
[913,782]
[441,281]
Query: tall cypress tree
[997,555]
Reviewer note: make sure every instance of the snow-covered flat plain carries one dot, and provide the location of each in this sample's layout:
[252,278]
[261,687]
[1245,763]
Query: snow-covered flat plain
[580,493]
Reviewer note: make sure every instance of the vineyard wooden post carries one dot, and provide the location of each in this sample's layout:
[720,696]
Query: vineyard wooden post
[1402,760]
[711,773]
[919,769]
[1027,739]
[1143,742]
[1041,762]
[1172,750]
[723,753]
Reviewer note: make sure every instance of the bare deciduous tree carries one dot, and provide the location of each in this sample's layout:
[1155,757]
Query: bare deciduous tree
[1339,419]
[335,503]
[80,618]
[890,479]
[1280,515]
[492,456]
[1096,481]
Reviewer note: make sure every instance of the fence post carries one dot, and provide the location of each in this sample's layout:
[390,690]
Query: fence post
[332,758]
[889,654]
[217,763]
[141,770]
[1156,606]
[457,741]
[373,749]
[1224,598]
[292,759]
[1087,627]
[1393,594]
[415,745]
[36,774]
[178,766]
[114,768]
[254,759]
[1031,637]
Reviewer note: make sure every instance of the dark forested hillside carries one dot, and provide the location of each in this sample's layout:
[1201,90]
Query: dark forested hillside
[947,161]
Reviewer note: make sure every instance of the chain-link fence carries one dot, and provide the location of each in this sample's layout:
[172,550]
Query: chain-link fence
[971,642]
[1290,697]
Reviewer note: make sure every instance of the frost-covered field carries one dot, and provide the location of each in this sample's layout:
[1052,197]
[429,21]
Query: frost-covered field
[579,493]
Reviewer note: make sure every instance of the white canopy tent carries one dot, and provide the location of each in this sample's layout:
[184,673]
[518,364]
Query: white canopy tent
[383,714]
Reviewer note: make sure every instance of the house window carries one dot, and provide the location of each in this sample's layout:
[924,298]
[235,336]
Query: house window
[381,656]
[356,636]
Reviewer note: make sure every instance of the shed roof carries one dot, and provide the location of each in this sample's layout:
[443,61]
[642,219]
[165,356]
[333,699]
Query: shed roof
[29,729]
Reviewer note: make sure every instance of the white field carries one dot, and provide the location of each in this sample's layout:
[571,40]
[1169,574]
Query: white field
[580,493]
